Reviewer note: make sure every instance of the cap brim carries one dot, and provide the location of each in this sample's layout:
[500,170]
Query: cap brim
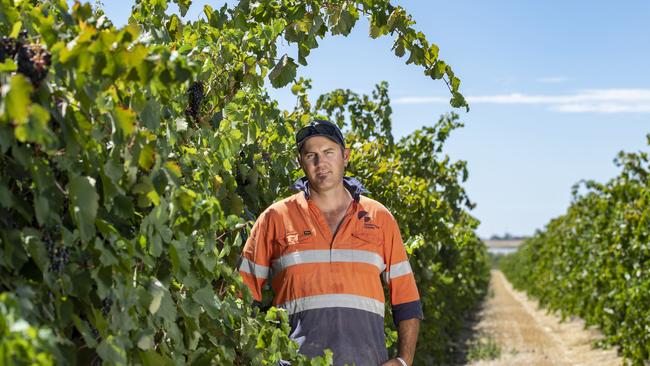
[318,134]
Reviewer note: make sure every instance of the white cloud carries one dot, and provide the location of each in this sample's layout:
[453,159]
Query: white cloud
[587,101]
[603,108]
[552,79]
[420,100]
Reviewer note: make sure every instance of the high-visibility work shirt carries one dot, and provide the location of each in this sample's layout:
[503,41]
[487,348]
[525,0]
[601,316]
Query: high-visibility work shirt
[331,285]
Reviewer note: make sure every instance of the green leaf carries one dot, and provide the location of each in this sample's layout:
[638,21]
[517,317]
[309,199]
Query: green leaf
[153,358]
[284,72]
[151,115]
[83,328]
[112,351]
[438,70]
[345,23]
[42,209]
[398,46]
[455,83]
[125,120]
[6,197]
[6,137]
[145,339]
[157,292]
[84,202]
[8,65]
[208,300]
[146,157]
[183,6]
[175,26]
[18,101]
[417,56]
[458,101]
[15,29]
[35,130]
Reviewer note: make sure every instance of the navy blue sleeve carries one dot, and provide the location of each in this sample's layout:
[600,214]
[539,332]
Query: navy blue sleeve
[407,311]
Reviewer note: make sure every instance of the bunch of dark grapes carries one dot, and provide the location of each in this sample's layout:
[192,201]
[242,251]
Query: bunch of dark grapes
[107,303]
[8,48]
[34,62]
[195,98]
[56,253]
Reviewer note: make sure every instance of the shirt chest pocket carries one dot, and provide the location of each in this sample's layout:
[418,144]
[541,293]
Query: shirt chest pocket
[367,248]
[367,240]
[294,241]
[293,249]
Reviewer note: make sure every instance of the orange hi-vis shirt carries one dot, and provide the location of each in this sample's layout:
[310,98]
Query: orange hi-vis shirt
[331,286]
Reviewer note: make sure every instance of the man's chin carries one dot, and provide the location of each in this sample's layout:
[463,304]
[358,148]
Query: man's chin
[322,185]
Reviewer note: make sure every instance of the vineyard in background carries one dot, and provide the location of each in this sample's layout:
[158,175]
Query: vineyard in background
[134,160]
[594,261]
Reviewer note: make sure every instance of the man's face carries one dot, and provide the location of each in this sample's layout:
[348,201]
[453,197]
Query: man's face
[323,162]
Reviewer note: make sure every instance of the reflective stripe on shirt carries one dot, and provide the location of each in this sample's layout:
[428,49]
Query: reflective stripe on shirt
[334,301]
[328,256]
[400,269]
[253,268]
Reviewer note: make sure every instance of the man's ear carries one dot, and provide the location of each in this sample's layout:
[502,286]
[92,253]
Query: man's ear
[346,156]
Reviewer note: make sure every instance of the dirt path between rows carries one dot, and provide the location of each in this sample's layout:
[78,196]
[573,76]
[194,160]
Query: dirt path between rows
[529,336]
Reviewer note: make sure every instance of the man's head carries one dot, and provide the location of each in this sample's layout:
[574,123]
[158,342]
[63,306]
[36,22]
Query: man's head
[319,127]
[322,154]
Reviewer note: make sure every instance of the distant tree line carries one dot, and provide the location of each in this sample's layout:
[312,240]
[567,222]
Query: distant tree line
[507,236]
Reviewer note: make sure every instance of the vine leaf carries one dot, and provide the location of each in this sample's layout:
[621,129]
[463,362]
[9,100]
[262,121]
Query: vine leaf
[183,6]
[284,72]
[17,101]
[125,119]
[84,203]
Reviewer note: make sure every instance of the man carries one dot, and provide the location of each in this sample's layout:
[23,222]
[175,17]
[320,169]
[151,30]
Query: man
[324,250]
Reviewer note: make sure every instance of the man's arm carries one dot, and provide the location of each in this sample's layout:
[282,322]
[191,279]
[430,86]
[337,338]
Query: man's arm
[256,257]
[407,332]
[405,299]
[408,338]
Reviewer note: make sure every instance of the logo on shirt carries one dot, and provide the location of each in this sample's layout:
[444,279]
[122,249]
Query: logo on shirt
[366,220]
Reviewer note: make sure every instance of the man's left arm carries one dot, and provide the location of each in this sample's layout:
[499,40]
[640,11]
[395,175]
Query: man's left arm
[408,338]
[405,299]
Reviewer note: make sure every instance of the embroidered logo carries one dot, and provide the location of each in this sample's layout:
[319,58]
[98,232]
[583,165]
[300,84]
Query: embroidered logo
[366,220]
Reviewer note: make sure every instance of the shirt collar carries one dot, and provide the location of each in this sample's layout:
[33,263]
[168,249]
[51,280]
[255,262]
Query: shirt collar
[351,184]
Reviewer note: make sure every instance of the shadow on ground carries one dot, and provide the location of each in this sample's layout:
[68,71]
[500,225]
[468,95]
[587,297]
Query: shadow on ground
[472,345]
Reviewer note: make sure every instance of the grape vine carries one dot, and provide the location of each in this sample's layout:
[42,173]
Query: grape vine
[594,260]
[133,161]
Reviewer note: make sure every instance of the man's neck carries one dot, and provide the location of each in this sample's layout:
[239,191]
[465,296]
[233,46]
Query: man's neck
[331,200]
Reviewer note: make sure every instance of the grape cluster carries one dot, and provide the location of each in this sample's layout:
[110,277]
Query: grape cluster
[95,332]
[195,98]
[107,303]
[56,253]
[8,48]
[33,60]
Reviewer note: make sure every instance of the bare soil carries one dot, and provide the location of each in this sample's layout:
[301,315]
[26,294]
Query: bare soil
[528,335]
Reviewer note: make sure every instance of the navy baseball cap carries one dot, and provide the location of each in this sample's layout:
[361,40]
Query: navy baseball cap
[319,127]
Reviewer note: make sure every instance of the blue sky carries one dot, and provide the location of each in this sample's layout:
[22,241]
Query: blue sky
[556,89]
